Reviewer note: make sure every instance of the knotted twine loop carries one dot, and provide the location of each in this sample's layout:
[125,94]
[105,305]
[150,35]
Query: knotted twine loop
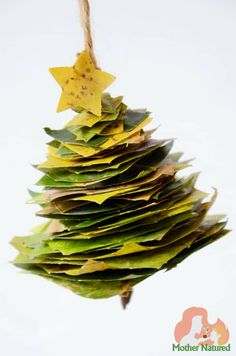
[85,22]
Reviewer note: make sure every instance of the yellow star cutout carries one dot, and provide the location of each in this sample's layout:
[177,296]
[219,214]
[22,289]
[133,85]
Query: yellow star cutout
[82,85]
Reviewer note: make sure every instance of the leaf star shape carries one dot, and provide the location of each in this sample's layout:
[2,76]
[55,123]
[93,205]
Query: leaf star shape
[82,85]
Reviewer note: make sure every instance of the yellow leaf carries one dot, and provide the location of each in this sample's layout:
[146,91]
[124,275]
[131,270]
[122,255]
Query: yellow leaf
[126,249]
[123,136]
[102,160]
[89,267]
[100,198]
[82,85]
[81,150]
[135,138]
[84,119]
[57,162]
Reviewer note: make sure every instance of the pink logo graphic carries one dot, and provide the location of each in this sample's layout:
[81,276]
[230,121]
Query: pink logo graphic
[194,329]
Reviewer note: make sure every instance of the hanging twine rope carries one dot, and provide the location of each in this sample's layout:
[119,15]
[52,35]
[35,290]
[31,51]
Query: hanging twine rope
[88,44]
[85,22]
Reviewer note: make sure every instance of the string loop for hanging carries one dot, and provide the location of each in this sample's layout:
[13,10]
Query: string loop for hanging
[85,22]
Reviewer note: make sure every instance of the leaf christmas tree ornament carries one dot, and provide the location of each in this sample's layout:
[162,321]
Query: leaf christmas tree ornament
[117,210]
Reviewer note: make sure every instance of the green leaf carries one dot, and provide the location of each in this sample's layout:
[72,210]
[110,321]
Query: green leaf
[134,118]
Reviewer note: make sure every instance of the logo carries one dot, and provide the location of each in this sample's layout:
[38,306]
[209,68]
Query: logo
[195,333]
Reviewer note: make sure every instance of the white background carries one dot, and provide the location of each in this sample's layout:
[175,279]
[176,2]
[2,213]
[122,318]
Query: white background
[175,57]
